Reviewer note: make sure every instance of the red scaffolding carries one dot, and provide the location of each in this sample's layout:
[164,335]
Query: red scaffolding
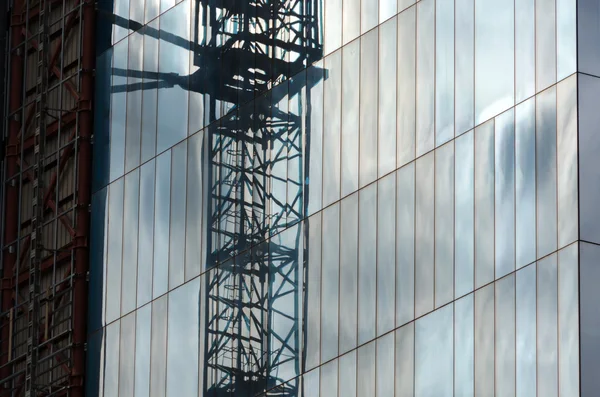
[47,188]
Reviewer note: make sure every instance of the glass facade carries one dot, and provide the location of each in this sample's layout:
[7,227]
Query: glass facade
[340,198]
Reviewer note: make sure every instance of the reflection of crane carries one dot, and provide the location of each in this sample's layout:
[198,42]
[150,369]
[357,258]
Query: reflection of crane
[246,54]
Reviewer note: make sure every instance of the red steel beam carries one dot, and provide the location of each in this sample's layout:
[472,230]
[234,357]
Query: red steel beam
[68,26]
[68,118]
[84,191]
[11,211]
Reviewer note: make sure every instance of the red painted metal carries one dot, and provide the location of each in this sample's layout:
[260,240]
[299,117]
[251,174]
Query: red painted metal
[11,226]
[84,187]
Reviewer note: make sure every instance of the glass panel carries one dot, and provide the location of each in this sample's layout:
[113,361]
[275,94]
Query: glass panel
[348,272]
[121,17]
[566,132]
[505,336]
[136,10]
[524,49]
[547,320]
[134,102]
[588,17]
[387,9]
[311,383]
[387,98]
[329,379]
[526,331]
[505,193]
[425,76]
[494,57]
[484,341]
[347,375]
[589,311]
[464,65]
[444,71]
[142,351]
[313,300]
[278,136]
[162,196]
[146,234]
[333,26]
[464,215]
[484,204]
[568,321]
[331,130]
[444,224]
[367,262]
[158,350]
[545,143]
[525,182]
[406,111]
[405,245]
[314,134]
[174,59]
[424,235]
[114,251]
[350,116]
[152,7]
[545,43]
[386,254]
[589,147]
[368,107]
[118,111]
[126,355]
[149,95]
[193,221]
[369,15]
[183,343]
[350,20]
[177,222]
[166,4]
[434,354]
[130,242]
[385,365]
[464,344]
[405,360]
[366,371]
[197,77]
[566,38]
[111,361]
[330,247]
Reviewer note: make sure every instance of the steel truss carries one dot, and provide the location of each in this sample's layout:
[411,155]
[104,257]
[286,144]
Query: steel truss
[45,208]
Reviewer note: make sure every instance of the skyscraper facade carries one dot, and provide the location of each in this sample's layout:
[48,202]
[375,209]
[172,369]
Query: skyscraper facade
[345,198]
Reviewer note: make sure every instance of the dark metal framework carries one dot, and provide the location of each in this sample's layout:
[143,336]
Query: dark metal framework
[46,197]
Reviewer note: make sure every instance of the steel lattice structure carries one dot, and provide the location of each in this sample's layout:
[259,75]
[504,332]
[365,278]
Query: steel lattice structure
[46,196]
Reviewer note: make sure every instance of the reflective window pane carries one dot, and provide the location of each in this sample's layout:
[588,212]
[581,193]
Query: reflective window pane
[526,331]
[444,224]
[524,49]
[313,300]
[386,254]
[348,273]
[406,112]
[568,321]
[464,366]
[484,341]
[347,374]
[425,76]
[385,365]
[505,336]
[333,25]
[405,360]
[146,233]
[444,71]
[547,336]
[367,262]
[130,242]
[387,98]
[464,27]
[545,45]
[330,275]
[158,350]
[424,235]
[464,215]
[331,131]
[366,370]
[177,221]
[162,196]
[405,245]
[126,355]
[114,251]
[143,327]
[368,107]
[314,133]
[350,117]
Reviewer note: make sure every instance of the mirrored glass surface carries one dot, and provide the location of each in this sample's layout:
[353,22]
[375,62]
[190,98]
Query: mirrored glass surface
[484,204]
[524,49]
[386,254]
[444,224]
[350,117]
[194,211]
[484,341]
[424,234]
[464,344]
[143,328]
[332,128]
[110,369]
[545,43]
[566,38]
[385,365]
[525,177]
[134,102]
[162,196]
[425,137]
[310,383]
[367,263]
[504,166]
[566,157]
[405,244]
[347,374]
[118,110]
[314,133]
[146,233]
[464,215]
[178,215]
[348,273]
[369,15]
[313,301]
[365,375]
[526,331]
[444,71]
[406,112]
[368,107]
[589,277]
[330,274]
[588,53]
[464,59]
[545,156]
[126,355]
[158,350]
[387,97]
[494,57]
[434,354]
[329,379]
[568,321]
[405,360]
[333,26]
[505,336]
[547,336]
[350,20]
[149,93]
[130,241]
[114,251]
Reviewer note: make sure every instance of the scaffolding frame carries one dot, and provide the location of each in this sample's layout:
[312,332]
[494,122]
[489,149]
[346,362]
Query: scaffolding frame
[46,196]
